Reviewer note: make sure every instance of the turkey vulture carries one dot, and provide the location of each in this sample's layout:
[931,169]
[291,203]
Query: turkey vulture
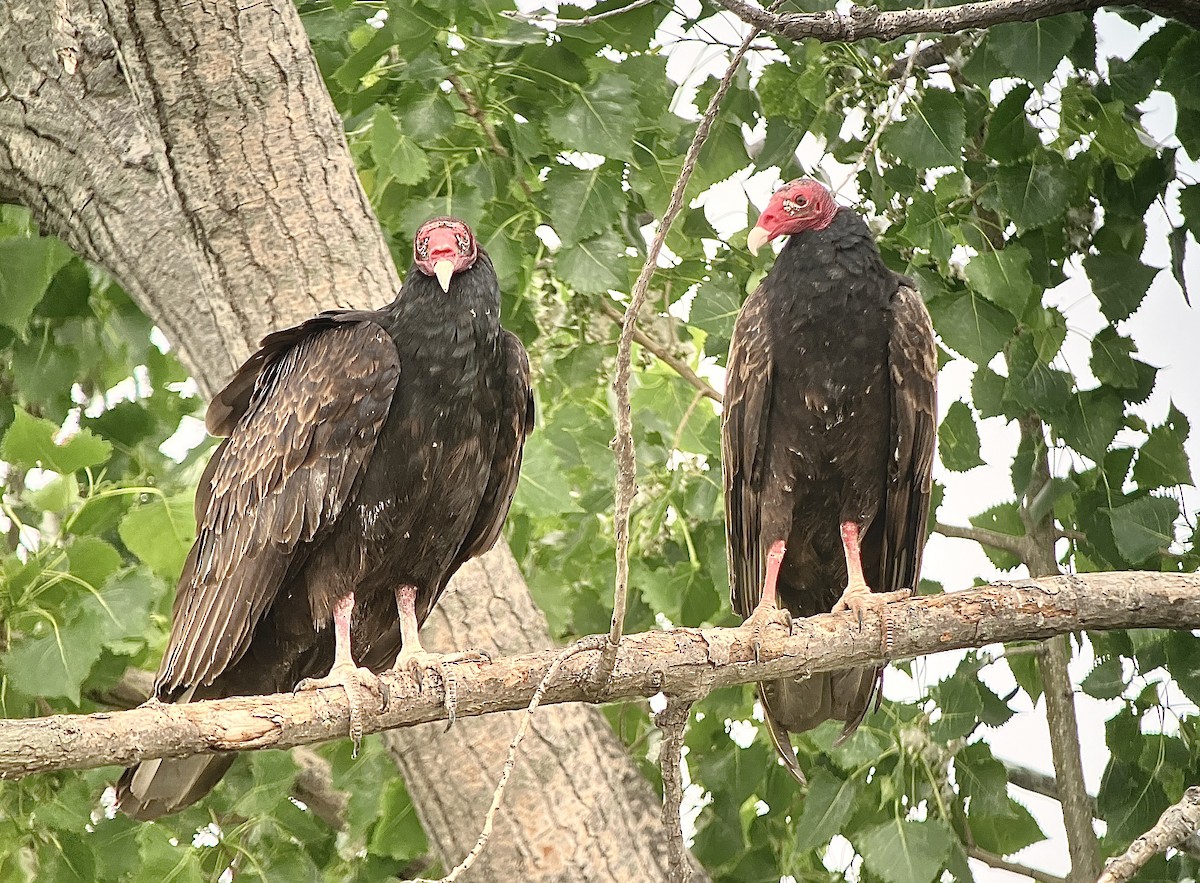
[828,434]
[368,455]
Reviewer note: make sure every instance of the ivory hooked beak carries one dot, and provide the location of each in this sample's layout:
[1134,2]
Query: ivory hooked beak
[756,239]
[444,270]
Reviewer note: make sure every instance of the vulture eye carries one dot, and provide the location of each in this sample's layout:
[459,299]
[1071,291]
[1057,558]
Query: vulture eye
[801,201]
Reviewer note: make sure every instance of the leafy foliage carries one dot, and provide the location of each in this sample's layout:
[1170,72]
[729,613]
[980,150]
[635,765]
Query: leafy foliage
[1004,173]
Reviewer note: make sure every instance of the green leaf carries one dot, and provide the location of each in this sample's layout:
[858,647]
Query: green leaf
[583,203]
[601,119]
[1033,50]
[1181,73]
[1120,282]
[29,441]
[1189,204]
[1091,421]
[905,852]
[160,532]
[1105,680]
[1144,527]
[396,156]
[26,267]
[1112,361]
[958,439]
[714,310]
[594,265]
[542,490]
[1162,460]
[56,660]
[827,806]
[1003,278]
[1009,135]
[1034,193]
[932,132]
[973,327]
[398,834]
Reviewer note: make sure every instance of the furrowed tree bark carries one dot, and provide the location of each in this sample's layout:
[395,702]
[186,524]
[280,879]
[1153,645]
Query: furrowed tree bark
[191,149]
[679,662]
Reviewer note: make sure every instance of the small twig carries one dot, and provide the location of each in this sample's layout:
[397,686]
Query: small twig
[925,57]
[1174,826]
[1002,541]
[996,861]
[575,22]
[664,355]
[626,459]
[594,642]
[475,112]
[872,145]
[314,787]
[672,720]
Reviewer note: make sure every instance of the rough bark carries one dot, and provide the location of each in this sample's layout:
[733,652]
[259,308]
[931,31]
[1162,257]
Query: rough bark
[867,22]
[1175,825]
[191,149]
[679,662]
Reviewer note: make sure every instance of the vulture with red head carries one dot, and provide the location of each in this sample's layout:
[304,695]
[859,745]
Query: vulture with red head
[367,456]
[828,438]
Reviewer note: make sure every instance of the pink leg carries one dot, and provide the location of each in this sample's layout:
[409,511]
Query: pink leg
[414,659]
[768,611]
[857,595]
[344,673]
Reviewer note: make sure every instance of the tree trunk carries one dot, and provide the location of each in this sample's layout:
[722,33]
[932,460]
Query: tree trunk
[191,149]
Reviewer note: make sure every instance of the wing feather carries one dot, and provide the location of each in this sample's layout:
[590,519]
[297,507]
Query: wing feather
[514,426]
[912,366]
[744,426]
[300,435]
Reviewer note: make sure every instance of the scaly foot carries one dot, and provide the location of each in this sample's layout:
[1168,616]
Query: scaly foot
[765,616]
[416,662]
[355,681]
[860,599]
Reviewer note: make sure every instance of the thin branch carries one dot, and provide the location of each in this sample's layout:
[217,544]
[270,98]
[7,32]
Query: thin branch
[596,642]
[681,662]
[925,57]
[1002,541]
[475,112]
[314,788]
[575,22]
[1173,827]
[1041,536]
[861,23]
[672,720]
[664,355]
[997,861]
[626,458]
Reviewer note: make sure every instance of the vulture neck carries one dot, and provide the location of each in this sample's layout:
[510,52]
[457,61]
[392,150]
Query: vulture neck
[819,271]
[470,308]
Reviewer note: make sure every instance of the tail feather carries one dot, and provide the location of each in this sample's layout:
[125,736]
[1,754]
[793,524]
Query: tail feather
[157,787]
[796,705]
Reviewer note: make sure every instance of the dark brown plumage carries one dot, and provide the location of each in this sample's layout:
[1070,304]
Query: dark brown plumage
[368,455]
[828,435]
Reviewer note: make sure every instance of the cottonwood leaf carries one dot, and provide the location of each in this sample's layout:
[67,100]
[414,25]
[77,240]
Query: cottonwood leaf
[901,851]
[29,441]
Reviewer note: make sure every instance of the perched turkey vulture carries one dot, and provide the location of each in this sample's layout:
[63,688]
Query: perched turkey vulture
[368,455]
[828,434]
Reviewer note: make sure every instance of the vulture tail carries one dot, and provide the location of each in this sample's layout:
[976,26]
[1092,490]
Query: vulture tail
[796,705]
[155,788]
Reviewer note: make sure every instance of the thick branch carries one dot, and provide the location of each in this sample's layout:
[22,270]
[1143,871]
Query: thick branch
[679,662]
[1174,826]
[862,23]
[672,720]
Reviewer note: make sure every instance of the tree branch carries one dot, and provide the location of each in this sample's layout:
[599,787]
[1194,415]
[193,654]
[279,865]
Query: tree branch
[862,23]
[664,355]
[998,861]
[1174,826]
[1004,542]
[672,720]
[678,662]
[575,22]
[623,445]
